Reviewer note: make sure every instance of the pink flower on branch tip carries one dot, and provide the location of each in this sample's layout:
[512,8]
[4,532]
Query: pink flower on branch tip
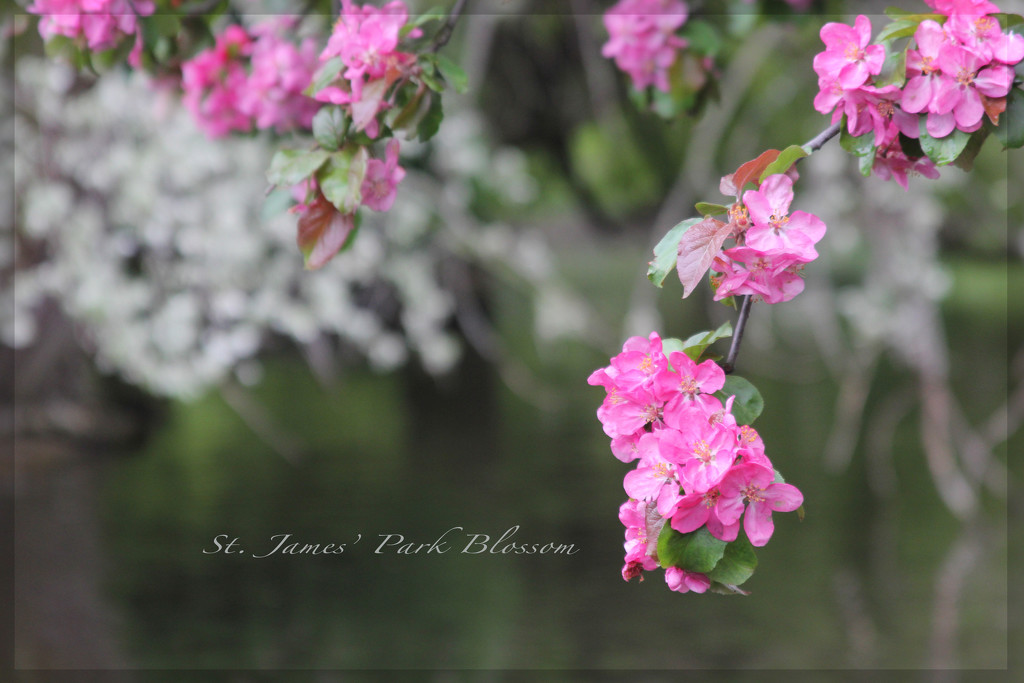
[848,58]
[683,581]
[754,486]
[642,39]
[774,228]
[380,185]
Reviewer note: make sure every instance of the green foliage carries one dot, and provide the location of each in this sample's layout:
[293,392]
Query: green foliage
[697,551]
[943,151]
[666,252]
[431,119]
[862,147]
[453,73]
[324,75]
[292,166]
[748,404]
[708,209]
[330,126]
[1010,131]
[737,564]
[696,344]
[783,162]
[341,179]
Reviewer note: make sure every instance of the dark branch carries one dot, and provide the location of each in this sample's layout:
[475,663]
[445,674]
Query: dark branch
[819,140]
[737,335]
[445,34]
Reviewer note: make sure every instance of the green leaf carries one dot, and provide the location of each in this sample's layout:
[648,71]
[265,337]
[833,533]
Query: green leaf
[1010,131]
[433,14]
[1008,21]
[702,37]
[324,75]
[428,73]
[708,209]
[697,551]
[860,146]
[667,251]
[431,121]
[453,73]
[292,166]
[943,151]
[330,126]
[696,344]
[899,28]
[737,563]
[747,405]
[782,163]
[966,159]
[894,68]
[341,179]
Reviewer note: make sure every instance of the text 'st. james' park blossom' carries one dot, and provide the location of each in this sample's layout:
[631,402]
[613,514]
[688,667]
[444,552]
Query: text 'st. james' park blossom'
[683,456]
[642,39]
[100,24]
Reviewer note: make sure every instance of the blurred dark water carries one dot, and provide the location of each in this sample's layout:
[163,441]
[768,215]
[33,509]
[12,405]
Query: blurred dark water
[112,570]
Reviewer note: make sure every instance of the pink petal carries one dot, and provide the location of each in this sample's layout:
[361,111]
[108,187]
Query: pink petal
[970,110]
[940,125]
[783,497]
[757,523]
[994,81]
[691,513]
[917,94]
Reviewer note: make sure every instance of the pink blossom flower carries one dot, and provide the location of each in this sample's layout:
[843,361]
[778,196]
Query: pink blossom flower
[642,529]
[772,276]
[366,40]
[983,36]
[101,24]
[280,71]
[960,94]
[951,7]
[923,73]
[847,57]
[688,383]
[382,177]
[683,581]
[214,82]
[754,485]
[642,39]
[703,450]
[654,478]
[695,510]
[774,228]
[891,162]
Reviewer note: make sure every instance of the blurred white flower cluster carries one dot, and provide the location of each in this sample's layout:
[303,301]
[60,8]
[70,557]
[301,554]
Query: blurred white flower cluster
[162,248]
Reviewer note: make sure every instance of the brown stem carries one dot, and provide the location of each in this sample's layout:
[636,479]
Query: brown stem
[445,34]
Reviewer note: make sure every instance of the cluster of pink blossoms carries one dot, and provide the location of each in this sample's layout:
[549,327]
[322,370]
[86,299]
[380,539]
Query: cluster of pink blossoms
[695,466]
[100,23]
[958,73]
[642,39]
[251,79]
[365,40]
[772,244]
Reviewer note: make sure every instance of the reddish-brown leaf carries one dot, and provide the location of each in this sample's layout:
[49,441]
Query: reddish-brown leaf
[323,231]
[751,171]
[993,108]
[697,249]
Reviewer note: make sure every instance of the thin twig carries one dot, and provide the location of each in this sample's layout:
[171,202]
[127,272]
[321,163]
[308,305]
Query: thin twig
[819,140]
[737,336]
[445,33]
[811,146]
